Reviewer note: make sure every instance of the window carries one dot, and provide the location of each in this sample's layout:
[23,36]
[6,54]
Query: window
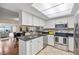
[5,29]
[54,9]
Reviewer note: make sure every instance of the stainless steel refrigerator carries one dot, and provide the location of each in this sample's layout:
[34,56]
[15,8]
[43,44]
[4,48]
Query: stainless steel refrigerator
[76,34]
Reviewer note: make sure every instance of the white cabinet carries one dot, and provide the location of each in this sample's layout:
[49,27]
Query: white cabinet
[37,45]
[71,22]
[49,24]
[38,22]
[41,22]
[71,43]
[22,48]
[35,21]
[34,46]
[30,47]
[40,43]
[26,18]
[25,47]
[51,40]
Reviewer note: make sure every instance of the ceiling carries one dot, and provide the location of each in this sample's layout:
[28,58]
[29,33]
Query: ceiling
[43,10]
[54,9]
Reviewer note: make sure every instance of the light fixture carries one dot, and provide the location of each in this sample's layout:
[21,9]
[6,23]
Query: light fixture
[67,12]
[54,9]
[44,6]
[59,8]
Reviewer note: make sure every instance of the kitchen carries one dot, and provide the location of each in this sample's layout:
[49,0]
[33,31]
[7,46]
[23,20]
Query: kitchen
[38,28]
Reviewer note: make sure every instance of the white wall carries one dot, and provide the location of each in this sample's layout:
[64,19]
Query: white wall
[9,21]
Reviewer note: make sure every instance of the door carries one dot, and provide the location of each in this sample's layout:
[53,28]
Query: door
[34,46]
[76,35]
[29,47]
[40,43]
[51,40]
[71,44]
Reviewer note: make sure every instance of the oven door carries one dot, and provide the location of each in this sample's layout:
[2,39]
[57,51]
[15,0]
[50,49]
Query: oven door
[56,39]
[64,40]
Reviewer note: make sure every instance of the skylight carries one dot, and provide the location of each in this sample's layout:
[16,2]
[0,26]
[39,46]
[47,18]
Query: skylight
[54,9]
[43,6]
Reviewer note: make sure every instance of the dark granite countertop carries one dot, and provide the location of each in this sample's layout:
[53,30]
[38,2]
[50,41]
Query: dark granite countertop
[29,37]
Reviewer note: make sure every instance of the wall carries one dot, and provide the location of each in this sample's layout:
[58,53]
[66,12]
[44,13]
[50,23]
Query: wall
[10,21]
[5,13]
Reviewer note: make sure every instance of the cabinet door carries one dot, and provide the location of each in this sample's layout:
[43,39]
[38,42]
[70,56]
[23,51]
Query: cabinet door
[50,24]
[40,43]
[34,46]
[26,19]
[37,45]
[22,47]
[35,21]
[51,40]
[71,23]
[71,43]
[42,22]
[29,47]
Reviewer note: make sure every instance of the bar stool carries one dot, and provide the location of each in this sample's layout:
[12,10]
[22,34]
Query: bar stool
[12,40]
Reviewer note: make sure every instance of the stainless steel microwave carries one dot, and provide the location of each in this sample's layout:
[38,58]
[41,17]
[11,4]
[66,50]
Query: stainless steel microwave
[61,26]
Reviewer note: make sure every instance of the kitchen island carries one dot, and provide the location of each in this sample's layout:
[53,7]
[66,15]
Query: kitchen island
[30,45]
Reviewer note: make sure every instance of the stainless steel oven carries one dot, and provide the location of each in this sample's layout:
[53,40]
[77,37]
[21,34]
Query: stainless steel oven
[61,43]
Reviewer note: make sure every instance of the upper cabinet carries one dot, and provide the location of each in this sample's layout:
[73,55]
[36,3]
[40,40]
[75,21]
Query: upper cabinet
[42,22]
[71,21]
[61,20]
[26,18]
[36,21]
[64,20]
[49,24]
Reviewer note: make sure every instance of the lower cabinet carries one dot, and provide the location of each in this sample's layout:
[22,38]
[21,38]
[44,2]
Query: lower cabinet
[71,44]
[34,46]
[24,47]
[37,45]
[40,43]
[30,47]
[51,40]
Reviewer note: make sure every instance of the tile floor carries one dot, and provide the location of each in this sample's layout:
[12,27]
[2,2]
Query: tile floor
[53,51]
